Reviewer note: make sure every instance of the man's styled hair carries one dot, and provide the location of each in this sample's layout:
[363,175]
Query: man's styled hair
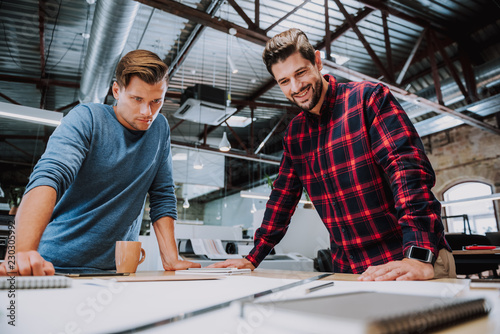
[283,45]
[142,63]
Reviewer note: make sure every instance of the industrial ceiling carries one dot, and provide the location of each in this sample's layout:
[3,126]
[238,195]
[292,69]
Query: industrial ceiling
[440,58]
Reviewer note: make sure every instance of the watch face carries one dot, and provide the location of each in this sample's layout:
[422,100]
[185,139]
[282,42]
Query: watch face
[419,253]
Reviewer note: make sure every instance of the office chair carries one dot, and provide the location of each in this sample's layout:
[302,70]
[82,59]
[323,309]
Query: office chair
[458,240]
[470,264]
[324,261]
[494,238]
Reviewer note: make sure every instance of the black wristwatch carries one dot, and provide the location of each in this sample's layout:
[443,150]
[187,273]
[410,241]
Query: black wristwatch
[421,254]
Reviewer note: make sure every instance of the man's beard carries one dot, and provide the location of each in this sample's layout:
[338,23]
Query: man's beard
[316,95]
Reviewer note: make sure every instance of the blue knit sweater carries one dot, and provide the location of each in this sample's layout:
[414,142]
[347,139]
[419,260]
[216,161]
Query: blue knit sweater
[102,173]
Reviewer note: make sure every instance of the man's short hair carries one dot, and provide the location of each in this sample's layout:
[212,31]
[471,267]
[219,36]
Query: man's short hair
[283,45]
[141,63]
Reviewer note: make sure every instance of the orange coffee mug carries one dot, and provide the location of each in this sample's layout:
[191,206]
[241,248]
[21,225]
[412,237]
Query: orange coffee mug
[128,255]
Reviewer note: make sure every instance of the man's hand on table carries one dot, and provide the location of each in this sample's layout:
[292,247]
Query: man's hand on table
[27,263]
[233,263]
[404,270]
[180,265]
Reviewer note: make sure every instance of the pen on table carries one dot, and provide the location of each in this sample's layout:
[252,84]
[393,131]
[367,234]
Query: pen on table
[319,287]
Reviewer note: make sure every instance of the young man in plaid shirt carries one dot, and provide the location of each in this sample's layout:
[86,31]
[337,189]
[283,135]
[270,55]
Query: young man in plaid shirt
[355,151]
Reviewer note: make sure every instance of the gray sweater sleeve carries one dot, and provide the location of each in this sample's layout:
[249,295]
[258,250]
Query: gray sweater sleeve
[66,150]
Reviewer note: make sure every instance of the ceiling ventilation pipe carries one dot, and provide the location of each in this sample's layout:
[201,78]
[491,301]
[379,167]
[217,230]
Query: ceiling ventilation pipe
[113,20]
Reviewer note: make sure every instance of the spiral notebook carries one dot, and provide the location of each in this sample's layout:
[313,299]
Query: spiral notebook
[34,282]
[366,312]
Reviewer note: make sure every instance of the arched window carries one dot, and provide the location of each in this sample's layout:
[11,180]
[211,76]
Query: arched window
[481,214]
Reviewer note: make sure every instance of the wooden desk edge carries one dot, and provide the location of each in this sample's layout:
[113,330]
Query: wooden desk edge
[281,274]
[477,252]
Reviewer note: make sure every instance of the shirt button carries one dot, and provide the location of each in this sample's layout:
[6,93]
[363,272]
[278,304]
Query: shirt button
[351,257]
[343,230]
[334,203]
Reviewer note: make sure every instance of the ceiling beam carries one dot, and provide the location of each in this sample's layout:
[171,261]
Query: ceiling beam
[468,72]
[388,49]
[261,145]
[424,72]
[350,74]
[217,23]
[69,105]
[465,50]
[328,40]
[175,65]
[9,99]
[38,81]
[465,44]
[286,16]
[365,43]
[411,57]
[191,40]
[257,14]
[453,34]
[18,149]
[390,7]
[172,128]
[244,16]
[345,27]
[451,67]
[434,69]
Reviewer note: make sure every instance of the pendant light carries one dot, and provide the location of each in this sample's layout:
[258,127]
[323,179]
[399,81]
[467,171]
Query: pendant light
[224,144]
[233,68]
[198,164]
[254,209]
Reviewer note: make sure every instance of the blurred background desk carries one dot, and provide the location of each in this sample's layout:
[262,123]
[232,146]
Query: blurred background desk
[474,262]
[469,262]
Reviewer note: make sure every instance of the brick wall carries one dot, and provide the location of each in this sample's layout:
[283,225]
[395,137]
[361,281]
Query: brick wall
[462,154]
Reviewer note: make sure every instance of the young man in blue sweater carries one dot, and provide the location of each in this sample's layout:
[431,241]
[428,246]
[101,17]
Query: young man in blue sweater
[89,188]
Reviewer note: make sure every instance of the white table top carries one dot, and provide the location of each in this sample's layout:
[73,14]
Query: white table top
[105,306]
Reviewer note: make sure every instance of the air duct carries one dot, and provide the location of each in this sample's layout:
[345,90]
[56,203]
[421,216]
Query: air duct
[113,20]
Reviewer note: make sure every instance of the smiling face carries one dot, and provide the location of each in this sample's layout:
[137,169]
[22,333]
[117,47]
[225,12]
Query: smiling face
[301,81]
[138,104]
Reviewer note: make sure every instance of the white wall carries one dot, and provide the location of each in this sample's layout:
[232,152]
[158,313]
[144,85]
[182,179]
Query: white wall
[234,209]
[306,233]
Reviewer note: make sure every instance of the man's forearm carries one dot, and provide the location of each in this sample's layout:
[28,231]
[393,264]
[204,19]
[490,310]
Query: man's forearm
[33,216]
[164,230]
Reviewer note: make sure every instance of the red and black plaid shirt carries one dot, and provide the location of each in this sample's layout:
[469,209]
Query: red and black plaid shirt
[365,169]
